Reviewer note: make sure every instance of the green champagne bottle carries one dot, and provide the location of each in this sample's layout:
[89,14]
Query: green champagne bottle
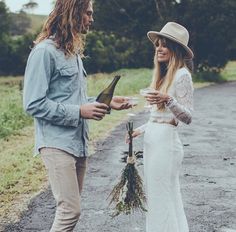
[106,95]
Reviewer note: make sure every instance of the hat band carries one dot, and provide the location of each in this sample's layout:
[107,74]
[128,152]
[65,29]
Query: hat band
[176,39]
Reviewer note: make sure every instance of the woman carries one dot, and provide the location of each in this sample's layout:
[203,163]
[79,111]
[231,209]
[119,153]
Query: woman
[172,102]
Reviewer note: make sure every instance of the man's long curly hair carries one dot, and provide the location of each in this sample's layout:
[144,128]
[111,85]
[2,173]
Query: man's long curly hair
[65,25]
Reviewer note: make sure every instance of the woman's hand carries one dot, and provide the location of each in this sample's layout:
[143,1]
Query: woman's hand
[120,103]
[134,134]
[157,98]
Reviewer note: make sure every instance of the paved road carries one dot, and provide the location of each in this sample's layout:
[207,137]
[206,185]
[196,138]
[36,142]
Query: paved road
[208,177]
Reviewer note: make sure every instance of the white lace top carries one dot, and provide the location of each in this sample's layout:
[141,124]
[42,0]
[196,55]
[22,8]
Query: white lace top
[181,105]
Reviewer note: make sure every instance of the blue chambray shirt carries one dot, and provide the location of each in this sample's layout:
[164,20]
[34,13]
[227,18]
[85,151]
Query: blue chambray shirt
[54,88]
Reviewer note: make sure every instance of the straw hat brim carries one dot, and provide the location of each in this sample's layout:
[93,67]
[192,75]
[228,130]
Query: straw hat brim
[153,35]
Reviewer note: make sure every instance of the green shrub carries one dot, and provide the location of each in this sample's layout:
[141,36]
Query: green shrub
[106,52]
[12,116]
[208,75]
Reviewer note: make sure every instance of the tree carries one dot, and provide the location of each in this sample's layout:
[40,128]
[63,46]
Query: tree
[165,8]
[30,6]
[211,24]
[4,19]
[128,21]
[20,23]
[107,52]
[4,36]
[131,19]
[13,50]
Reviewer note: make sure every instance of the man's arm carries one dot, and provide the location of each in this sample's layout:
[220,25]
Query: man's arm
[39,69]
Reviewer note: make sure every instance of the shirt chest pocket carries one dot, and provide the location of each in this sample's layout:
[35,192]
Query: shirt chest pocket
[68,79]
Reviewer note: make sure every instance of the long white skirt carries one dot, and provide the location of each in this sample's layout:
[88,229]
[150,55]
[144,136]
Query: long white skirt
[163,155]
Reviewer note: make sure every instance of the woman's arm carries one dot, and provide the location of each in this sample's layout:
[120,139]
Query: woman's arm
[182,105]
[138,131]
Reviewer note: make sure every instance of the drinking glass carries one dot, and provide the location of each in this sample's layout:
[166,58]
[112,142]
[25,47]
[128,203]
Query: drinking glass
[144,92]
[133,101]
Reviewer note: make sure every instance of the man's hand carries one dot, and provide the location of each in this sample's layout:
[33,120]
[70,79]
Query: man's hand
[120,103]
[93,110]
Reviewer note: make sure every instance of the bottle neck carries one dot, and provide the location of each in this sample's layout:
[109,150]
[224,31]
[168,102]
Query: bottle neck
[114,82]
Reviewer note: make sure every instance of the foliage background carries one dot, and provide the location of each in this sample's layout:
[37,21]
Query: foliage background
[210,24]
[118,38]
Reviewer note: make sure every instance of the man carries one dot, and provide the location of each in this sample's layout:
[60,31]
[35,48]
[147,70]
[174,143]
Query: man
[55,95]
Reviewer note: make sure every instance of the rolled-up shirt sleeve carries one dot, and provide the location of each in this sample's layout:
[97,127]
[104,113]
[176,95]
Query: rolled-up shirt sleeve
[91,99]
[39,70]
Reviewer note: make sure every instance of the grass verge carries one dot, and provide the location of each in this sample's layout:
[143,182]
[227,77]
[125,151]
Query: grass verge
[21,174]
[229,72]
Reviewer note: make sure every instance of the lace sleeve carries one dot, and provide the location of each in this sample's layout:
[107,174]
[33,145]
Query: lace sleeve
[182,106]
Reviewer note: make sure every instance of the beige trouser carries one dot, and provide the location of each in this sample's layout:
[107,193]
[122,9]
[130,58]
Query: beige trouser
[66,174]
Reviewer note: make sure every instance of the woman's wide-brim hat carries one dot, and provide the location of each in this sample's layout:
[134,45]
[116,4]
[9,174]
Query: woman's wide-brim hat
[174,32]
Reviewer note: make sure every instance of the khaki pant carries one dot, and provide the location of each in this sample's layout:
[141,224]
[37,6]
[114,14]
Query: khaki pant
[66,175]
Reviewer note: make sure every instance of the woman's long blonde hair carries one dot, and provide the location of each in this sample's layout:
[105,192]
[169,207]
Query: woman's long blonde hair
[164,73]
[64,25]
